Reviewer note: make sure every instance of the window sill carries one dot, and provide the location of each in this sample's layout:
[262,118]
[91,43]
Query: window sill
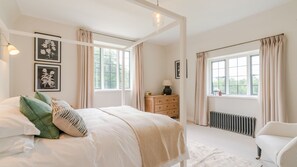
[111,90]
[234,97]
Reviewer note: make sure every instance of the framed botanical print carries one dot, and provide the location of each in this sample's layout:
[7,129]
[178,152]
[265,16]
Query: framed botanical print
[47,77]
[47,50]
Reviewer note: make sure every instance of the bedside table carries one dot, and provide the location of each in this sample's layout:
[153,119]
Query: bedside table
[163,104]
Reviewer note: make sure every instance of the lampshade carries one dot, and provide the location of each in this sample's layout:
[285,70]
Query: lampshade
[167,83]
[12,50]
[158,20]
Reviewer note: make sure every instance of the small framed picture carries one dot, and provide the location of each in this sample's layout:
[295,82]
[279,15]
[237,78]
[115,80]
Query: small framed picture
[47,50]
[177,69]
[47,77]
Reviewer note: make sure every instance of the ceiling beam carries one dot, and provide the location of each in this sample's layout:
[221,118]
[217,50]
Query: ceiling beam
[153,7]
[28,34]
[163,29]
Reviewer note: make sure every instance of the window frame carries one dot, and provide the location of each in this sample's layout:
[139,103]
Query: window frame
[102,71]
[226,58]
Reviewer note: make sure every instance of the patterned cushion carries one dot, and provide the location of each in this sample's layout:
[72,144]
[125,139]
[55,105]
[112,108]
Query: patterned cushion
[43,97]
[40,114]
[68,120]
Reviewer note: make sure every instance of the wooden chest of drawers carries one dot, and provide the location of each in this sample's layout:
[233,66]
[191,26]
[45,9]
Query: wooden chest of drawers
[161,104]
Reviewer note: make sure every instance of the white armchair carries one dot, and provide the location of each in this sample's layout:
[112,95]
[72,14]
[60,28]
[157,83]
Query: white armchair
[279,142]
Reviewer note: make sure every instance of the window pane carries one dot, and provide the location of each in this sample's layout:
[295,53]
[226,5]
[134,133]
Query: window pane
[221,80]
[232,80]
[242,71]
[232,89]
[233,71]
[233,62]
[221,84]
[222,64]
[242,90]
[255,59]
[97,68]
[242,80]
[215,73]
[255,80]
[255,90]
[242,61]
[113,68]
[221,72]
[215,65]
[255,69]
[127,70]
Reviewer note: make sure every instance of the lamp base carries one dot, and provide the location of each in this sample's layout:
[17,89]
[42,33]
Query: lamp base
[167,90]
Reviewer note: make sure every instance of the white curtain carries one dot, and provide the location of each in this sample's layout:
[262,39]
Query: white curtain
[272,79]
[138,88]
[85,70]
[201,113]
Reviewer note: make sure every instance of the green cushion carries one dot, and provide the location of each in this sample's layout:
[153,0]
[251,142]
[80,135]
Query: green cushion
[40,114]
[43,97]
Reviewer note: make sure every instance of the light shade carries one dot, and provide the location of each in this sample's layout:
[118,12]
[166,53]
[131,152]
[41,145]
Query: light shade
[167,83]
[158,20]
[12,50]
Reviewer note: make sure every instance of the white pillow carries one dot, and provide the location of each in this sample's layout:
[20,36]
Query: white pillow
[13,101]
[16,144]
[13,122]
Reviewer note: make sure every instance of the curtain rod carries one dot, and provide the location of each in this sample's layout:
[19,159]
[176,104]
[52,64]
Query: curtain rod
[112,36]
[239,43]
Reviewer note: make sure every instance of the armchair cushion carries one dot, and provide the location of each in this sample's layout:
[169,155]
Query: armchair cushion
[272,145]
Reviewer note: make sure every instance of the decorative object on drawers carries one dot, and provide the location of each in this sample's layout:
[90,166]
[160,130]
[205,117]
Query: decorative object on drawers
[163,104]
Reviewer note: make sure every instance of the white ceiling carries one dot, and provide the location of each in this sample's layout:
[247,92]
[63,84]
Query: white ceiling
[121,18]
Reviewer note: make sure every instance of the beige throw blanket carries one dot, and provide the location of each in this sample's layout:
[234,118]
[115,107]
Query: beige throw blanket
[160,138]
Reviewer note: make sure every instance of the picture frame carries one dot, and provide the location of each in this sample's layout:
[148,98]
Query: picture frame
[177,69]
[47,50]
[47,77]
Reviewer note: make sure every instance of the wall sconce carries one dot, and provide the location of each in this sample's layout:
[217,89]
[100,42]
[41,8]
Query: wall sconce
[12,50]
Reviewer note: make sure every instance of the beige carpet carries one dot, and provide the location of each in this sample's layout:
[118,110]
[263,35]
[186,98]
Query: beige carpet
[205,156]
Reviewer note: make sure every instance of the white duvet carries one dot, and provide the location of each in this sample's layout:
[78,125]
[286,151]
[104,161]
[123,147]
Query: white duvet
[110,143]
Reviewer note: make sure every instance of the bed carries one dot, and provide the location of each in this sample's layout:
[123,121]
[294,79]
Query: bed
[118,136]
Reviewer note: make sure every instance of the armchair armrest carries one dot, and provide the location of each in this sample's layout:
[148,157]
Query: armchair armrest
[287,155]
[279,129]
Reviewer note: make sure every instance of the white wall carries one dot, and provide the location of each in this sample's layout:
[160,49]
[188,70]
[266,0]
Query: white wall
[22,65]
[4,64]
[154,67]
[279,20]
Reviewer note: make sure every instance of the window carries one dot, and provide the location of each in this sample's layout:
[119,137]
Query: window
[235,75]
[108,69]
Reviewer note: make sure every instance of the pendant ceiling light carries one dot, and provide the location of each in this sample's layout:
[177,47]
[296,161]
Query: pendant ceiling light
[158,20]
